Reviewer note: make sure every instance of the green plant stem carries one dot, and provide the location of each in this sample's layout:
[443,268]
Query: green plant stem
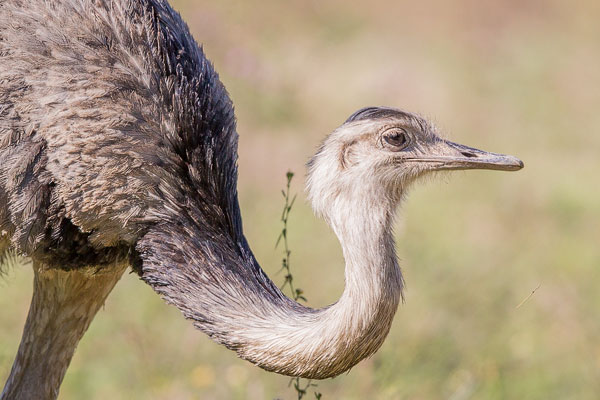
[297,293]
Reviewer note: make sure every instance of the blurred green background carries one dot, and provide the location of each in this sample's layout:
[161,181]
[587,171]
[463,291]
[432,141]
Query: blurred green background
[518,77]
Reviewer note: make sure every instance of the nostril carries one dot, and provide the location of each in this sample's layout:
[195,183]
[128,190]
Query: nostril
[469,155]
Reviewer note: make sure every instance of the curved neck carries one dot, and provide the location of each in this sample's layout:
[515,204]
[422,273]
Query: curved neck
[223,290]
[331,340]
[63,305]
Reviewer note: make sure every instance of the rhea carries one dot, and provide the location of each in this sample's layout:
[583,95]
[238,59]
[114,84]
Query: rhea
[118,149]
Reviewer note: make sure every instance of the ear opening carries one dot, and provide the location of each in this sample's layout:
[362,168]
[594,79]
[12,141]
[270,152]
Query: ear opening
[346,154]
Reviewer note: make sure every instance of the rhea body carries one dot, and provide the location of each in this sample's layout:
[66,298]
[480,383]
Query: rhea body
[118,149]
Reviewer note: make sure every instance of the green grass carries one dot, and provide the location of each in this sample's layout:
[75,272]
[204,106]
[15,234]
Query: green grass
[519,78]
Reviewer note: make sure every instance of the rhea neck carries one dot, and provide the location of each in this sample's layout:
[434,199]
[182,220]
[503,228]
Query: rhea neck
[321,343]
[373,281]
[229,297]
[363,225]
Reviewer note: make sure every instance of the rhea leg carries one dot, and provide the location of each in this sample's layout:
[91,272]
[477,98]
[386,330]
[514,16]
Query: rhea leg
[64,304]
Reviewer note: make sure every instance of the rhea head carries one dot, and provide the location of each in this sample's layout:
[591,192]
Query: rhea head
[376,153]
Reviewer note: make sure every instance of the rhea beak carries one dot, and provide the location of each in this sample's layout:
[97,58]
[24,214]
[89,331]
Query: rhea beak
[453,156]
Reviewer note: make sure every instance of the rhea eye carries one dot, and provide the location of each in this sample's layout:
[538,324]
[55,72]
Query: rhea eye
[396,137]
